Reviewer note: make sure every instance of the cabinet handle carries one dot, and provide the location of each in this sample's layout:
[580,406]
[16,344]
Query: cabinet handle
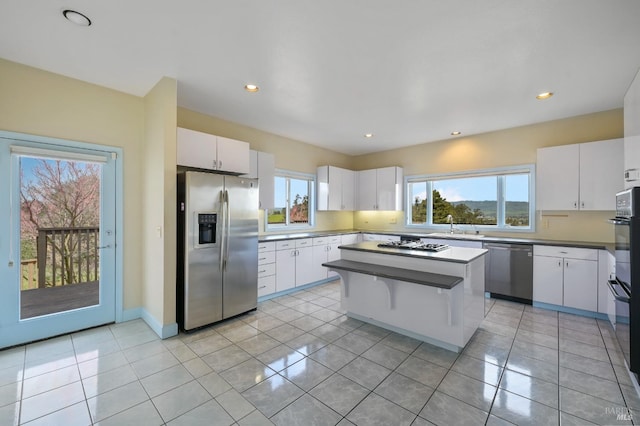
[575,204]
[262,286]
[559,264]
[567,264]
[264,270]
[582,204]
[220,164]
[262,258]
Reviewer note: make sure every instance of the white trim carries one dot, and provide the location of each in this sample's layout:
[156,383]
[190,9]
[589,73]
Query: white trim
[56,154]
[163,331]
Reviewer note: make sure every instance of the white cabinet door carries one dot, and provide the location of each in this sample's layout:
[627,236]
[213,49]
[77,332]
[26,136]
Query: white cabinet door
[581,284]
[333,254]
[195,149]
[389,189]
[557,177]
[367,190]
[233,156]
[632,131]
[285,269]
[601,174]
[266,174]
[547,280]
[320,254]
[335,188]
[304,266]
[348,190]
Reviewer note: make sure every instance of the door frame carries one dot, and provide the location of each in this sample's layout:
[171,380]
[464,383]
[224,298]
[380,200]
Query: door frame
[68,145]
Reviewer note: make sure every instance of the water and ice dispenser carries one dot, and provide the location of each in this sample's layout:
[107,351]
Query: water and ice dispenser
[207,228]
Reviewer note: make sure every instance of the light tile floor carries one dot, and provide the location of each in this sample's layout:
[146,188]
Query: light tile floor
[298,360]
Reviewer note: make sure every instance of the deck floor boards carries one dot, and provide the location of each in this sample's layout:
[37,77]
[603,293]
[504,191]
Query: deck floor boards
[43,301]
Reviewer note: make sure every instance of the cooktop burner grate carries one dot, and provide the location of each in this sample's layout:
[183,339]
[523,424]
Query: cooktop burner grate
[414,245]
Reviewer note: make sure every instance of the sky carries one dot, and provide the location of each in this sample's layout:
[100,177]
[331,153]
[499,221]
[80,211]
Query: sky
[298,186]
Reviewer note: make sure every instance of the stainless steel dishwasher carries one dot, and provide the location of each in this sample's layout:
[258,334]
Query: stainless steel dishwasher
[509,271]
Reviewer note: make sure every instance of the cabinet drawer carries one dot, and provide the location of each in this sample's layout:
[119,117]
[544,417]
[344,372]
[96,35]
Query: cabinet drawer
[266,246]
[266,285]
[335,239]
[285,245]
[266,270]
[568,252]
[305,242]
[266,257]
[320,241]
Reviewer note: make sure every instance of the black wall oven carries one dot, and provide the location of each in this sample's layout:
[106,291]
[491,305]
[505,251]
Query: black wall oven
[626,285]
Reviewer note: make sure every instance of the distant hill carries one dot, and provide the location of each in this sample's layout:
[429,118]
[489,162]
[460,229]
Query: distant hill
[488,208]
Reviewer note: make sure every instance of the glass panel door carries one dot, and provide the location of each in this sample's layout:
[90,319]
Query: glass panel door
[59,235]
[57,244]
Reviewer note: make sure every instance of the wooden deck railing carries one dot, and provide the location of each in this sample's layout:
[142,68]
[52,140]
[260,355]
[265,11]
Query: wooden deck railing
[65,256]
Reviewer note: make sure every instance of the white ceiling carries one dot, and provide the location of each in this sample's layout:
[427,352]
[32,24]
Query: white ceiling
[329,71]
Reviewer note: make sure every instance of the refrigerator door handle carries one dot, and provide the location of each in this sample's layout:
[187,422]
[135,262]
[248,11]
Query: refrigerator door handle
[227,229]
[222,231]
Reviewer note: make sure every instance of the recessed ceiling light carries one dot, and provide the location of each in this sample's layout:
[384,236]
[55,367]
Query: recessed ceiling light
[252,88]
[76,17]
[544,95]
[456,133]
[368,135]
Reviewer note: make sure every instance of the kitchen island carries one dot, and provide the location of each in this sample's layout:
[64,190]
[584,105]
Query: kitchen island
[433,296]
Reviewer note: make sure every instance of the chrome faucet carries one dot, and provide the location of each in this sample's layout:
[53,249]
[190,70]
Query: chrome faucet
[450,220]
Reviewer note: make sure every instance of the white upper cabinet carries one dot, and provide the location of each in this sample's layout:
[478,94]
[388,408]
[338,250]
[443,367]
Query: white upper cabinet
[380,189]
[196,149]
[233,155]
[205,151]
[336,188]
[580,176]
[263,168]
[632,134]
[601,164]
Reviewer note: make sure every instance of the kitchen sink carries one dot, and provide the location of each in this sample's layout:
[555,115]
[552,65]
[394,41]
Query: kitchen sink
[455,235]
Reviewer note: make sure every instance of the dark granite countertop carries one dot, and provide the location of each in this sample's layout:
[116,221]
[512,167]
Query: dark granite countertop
[469,237]
[400,274]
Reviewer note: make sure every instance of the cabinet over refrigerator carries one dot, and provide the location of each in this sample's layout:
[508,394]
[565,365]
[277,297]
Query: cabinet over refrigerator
[217,265]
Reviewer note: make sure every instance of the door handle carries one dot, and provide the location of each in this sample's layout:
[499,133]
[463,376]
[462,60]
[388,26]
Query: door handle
[104,247]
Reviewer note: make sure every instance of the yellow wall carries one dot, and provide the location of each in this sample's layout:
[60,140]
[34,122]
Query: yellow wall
[507,147]
[41,103]
[289,154]
[159,199]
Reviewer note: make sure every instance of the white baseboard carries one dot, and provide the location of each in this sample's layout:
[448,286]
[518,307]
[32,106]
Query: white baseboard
[163,331]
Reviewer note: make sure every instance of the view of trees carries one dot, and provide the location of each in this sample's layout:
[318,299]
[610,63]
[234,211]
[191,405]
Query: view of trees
[469,212]
[64,195]
[298,212]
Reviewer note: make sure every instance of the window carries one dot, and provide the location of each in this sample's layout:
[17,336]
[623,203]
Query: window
[490,199]
[294,205]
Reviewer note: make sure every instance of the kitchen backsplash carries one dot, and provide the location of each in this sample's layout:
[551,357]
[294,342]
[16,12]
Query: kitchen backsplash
[565,225]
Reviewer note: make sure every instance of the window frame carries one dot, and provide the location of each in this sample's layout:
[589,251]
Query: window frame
[500,173]
[288,175]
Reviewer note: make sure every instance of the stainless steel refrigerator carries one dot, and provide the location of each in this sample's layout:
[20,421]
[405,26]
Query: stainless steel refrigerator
[217,247]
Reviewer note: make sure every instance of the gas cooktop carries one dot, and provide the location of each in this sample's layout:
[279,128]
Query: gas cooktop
[414,245]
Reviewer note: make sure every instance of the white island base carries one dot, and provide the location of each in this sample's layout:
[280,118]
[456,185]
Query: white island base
[446,317]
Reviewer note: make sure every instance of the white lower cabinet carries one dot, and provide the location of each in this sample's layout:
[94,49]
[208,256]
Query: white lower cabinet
[294,260]
[266,268]
[285,265]
[566,276]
